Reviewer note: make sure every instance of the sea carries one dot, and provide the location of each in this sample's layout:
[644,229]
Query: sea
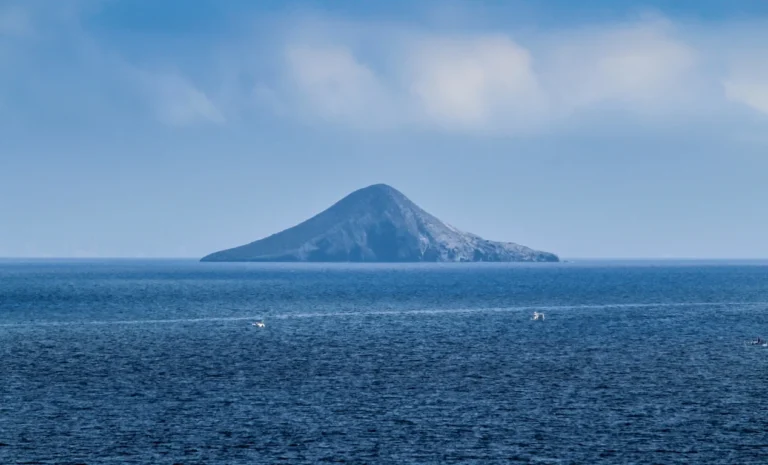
[158,362]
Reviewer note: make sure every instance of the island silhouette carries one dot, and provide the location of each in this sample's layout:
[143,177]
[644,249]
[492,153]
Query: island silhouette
[377,224]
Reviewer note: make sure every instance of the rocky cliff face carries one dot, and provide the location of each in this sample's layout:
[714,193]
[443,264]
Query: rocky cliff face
[377,224]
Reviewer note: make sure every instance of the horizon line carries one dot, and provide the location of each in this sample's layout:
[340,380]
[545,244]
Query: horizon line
[562,259]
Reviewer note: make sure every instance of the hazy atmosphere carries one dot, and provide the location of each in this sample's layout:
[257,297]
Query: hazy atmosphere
[175,129]
[384,232]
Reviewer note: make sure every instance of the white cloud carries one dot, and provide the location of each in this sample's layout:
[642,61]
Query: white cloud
[386,75]
[474,82]
[76,73]
[640,66]
[335,85]
[178,102]
[488,82]
[750,92]
[747,83]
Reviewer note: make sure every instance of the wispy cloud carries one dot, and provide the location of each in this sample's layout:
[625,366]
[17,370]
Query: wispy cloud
[749,90]
[65,64]
[747,81]
[177,102]
[361,74]
[473,82]
[638,66]
[492,82]
[332,84]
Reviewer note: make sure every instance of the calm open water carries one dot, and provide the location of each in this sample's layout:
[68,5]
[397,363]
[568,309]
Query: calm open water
[137,362]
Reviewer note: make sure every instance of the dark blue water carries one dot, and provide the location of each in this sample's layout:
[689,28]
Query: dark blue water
[157,362]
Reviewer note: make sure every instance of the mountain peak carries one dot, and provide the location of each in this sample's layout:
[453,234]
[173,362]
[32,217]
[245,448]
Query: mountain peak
[377,223]
[377,191]
[383,188]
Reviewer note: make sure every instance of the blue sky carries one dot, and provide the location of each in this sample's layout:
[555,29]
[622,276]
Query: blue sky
[603,128]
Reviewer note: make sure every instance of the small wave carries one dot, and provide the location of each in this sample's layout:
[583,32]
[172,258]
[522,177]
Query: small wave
[130,322]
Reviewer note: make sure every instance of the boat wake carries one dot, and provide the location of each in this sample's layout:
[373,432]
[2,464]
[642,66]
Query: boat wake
[286,316]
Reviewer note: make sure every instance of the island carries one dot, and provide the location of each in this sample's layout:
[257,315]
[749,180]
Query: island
[377,224]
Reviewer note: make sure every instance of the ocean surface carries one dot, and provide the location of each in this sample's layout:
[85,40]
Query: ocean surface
[139,362]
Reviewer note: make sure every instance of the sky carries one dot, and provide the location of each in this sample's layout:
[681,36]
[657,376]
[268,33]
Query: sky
[592,129]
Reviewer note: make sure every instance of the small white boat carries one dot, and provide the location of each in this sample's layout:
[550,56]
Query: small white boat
[757,343]
[258,324]
[537,316]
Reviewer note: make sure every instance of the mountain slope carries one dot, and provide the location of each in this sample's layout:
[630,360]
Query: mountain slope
[377,224]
